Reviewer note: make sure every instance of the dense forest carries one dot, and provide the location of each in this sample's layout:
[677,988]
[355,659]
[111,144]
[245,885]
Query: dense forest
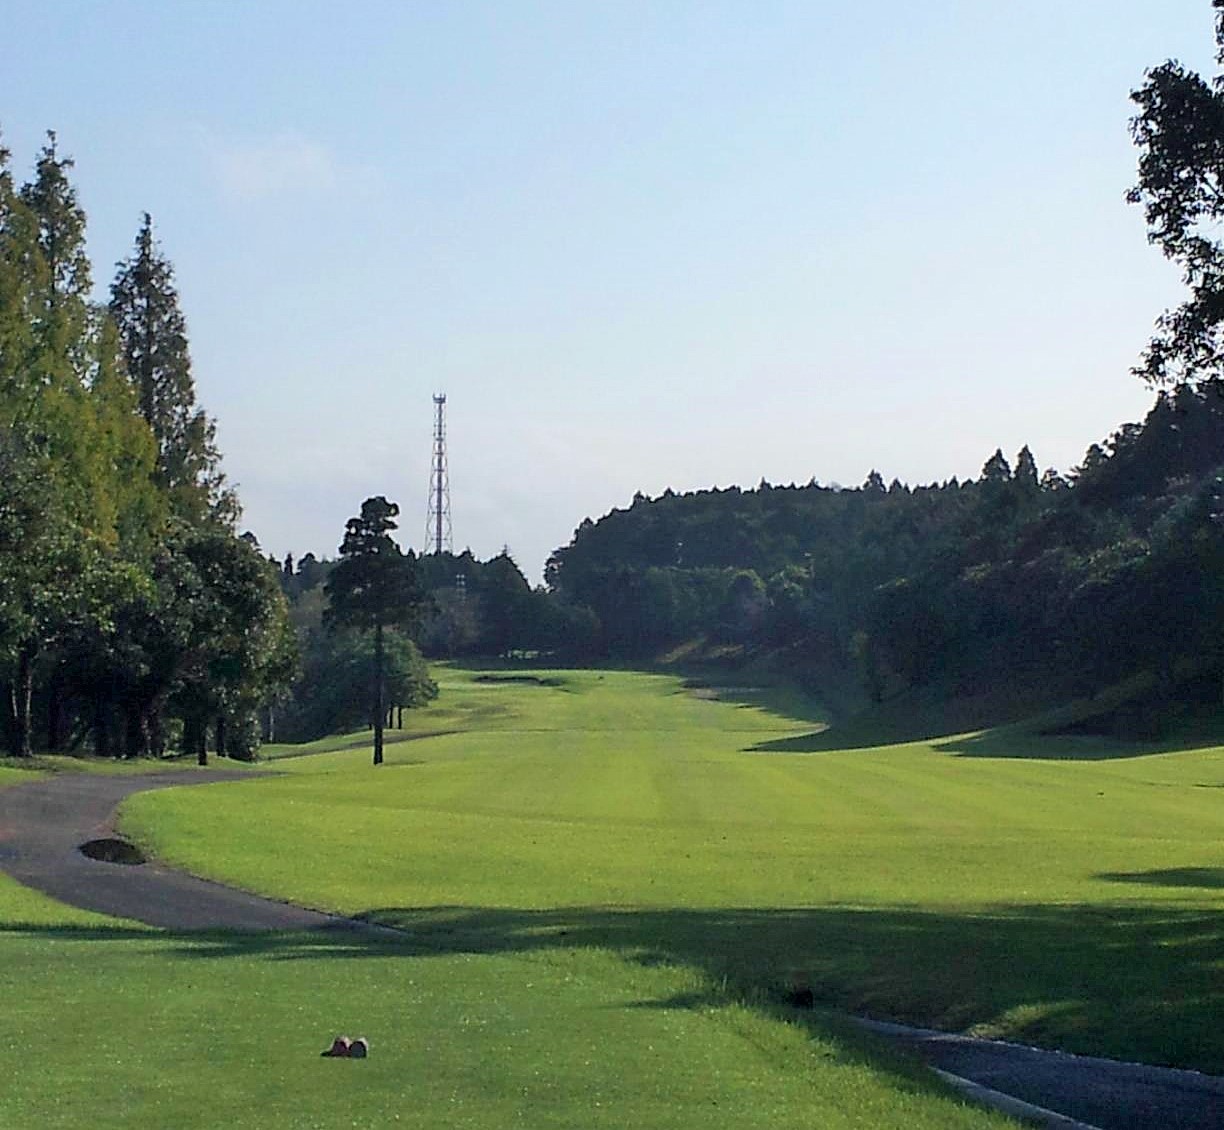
[133,619]
[1072,583]
[1042,586]
[467,608]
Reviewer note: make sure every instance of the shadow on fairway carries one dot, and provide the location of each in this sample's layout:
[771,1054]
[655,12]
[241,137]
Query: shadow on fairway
[783,700]
[1022,742]
[1016,741]
[1131,982]
[1197,878]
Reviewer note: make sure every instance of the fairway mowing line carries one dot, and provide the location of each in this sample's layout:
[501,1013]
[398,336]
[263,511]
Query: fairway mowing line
[1172,1099]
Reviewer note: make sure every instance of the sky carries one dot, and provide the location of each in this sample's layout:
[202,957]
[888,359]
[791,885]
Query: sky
[639,246]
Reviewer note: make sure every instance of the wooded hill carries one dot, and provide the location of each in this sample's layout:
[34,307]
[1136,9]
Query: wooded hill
[1070,584]
[1112,577]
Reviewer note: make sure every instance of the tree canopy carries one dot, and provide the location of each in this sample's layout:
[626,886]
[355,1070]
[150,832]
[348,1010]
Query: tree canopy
[1180,133]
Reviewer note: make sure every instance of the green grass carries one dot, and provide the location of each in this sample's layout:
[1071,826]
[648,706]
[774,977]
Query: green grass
[11,775]
[1059,891]
[110,1023]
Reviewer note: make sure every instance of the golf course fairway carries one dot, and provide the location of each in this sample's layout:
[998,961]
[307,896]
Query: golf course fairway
[607,882]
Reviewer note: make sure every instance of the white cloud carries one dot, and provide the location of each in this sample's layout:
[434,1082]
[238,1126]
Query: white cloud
[266,168]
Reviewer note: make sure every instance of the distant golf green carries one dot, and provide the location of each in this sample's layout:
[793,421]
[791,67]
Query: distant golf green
[1065,892]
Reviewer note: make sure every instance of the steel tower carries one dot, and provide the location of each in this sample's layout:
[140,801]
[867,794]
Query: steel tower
[438,525]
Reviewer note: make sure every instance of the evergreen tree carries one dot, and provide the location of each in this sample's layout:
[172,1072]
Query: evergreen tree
[374,587]
[153,336]
[1026,468]
[59,273]
[17,252]
[996,469]
[110,612]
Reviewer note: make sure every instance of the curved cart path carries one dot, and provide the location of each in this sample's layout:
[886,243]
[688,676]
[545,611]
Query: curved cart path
[43,824]
[1101,1094]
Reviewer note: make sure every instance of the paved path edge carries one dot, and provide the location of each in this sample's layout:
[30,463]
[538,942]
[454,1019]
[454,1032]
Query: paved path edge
[1010,1105]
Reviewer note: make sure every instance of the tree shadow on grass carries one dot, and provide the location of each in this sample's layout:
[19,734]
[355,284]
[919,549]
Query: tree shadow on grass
[1028,742]
[843,738]
[777,698]
[1197,878]
[1141,983]
[1003,742]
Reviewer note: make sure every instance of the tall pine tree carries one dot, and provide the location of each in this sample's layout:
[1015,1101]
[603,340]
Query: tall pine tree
[374,587]
[59,274]
[153,338]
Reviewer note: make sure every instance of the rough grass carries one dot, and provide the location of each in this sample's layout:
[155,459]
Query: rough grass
[1065,892]
[13,775]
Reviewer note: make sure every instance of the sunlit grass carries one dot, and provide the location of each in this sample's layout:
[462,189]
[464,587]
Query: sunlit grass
[111,1023]
[1070,902]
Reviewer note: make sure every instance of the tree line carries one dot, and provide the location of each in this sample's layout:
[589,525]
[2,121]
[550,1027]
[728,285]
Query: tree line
[133,619]
[453,606]
[356,619]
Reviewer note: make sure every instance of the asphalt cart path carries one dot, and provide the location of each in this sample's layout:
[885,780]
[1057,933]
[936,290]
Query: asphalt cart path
[44,823]
[1085,1091]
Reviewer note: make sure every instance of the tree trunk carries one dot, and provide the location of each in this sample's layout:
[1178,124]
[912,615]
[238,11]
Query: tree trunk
[380,712]
[101,726]
[220,735]
[193,728]
[133,729]
[400,715]
[55,715]
[22,692]
[155,734]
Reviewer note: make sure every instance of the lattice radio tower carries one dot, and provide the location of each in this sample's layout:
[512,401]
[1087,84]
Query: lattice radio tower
[438,525]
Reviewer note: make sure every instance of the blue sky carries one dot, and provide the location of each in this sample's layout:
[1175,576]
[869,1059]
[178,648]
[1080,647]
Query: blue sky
[639,246]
